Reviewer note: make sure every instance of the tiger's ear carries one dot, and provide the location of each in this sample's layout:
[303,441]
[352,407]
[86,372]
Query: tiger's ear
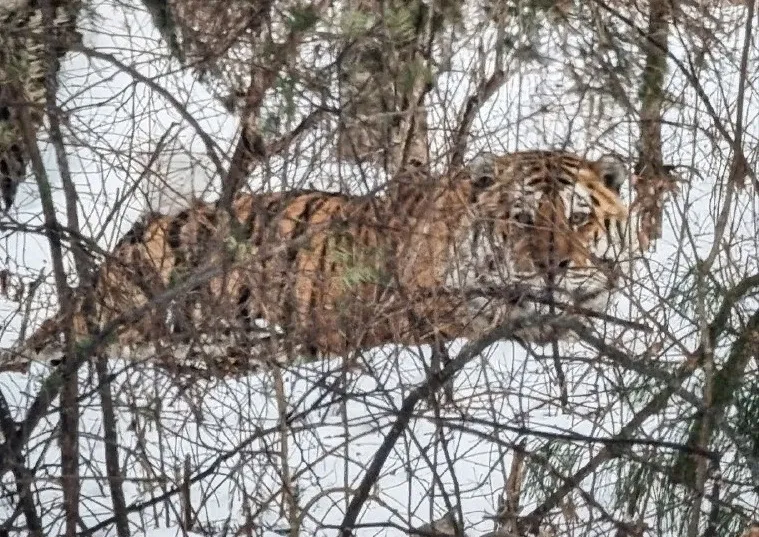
[613,172]
[482,169]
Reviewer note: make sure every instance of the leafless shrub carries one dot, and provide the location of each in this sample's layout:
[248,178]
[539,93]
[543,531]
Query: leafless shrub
[647,426]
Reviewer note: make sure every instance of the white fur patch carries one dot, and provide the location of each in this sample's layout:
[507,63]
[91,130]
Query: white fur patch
[576,200]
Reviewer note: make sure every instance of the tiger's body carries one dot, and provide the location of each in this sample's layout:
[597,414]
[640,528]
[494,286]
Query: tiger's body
[430,260]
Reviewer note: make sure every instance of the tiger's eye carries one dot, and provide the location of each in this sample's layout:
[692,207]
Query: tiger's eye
[578,219]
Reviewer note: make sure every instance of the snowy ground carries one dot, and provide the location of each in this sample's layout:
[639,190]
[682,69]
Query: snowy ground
[229,430]
[232,428]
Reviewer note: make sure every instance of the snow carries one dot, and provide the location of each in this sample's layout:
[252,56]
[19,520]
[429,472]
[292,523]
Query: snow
[168,532]
[229,430]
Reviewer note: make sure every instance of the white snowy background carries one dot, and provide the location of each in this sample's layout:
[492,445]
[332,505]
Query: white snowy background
[229,429]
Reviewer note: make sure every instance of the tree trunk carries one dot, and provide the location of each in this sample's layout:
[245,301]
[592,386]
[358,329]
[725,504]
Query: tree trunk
[653,183]
[384,77]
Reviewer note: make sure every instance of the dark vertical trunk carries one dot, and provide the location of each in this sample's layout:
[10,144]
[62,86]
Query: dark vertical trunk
[653,183]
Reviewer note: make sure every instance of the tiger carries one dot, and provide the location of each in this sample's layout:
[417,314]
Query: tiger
[24,64]
[429,259]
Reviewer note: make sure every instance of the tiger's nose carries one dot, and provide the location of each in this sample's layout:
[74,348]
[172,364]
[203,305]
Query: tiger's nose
[551,265]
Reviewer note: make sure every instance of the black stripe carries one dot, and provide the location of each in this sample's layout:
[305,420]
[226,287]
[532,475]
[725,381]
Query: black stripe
[322,256]
[302,224]
[264,218]
[535,181]
[175,229]
[136,233]
[414,200]
[289,300]
[536,168]
[243,312]
[206,228]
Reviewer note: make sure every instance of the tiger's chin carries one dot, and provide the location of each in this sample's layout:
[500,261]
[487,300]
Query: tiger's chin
[492,306]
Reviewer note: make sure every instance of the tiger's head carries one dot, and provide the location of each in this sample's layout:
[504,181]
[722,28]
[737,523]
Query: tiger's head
[549,226]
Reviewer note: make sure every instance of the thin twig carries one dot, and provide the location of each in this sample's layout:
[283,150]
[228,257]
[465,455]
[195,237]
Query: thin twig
[250,146]
[181,109]
[217,462]
[472,106]
[421,392]
[69,415]
[21,473]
